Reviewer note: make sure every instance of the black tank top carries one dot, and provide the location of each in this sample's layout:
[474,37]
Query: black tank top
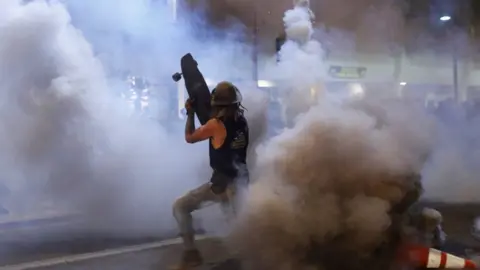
[232,155]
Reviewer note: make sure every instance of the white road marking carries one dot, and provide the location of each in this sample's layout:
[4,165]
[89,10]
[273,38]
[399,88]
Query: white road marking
[28,219]
[95,255]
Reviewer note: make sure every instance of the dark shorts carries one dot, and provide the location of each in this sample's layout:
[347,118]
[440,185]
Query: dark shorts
[220,180]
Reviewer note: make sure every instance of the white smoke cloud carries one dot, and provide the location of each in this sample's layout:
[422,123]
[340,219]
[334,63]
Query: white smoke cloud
[67,137]
[451,175]
[331,180]
[300,55]
[327,186]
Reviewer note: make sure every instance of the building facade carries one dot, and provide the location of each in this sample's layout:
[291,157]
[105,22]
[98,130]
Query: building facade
[411,49]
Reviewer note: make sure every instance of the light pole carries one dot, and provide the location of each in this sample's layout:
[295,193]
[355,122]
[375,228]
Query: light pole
[174,8]
[255,46]
[447,18]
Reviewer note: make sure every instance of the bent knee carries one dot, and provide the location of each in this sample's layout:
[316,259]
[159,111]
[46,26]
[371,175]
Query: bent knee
[178,206]
[181,206]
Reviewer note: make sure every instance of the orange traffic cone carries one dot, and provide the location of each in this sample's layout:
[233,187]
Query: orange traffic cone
[426,257]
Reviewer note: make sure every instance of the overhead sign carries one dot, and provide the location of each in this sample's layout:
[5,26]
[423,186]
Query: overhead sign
[347,72]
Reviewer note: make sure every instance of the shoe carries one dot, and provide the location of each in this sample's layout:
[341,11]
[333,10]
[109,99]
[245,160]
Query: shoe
[190,259]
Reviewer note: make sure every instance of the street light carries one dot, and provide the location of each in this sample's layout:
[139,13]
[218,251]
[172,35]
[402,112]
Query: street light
[445,18]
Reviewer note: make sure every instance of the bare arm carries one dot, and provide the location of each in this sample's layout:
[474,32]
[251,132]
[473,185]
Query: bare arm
[204,132]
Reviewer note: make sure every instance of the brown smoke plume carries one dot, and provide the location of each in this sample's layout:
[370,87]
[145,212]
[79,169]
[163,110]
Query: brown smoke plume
[326,188]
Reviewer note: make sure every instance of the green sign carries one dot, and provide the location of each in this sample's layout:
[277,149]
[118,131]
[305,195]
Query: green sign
[347,72]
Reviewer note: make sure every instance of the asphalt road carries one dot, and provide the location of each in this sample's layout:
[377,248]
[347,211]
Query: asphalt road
[213,251]
[49,243]
[57,240]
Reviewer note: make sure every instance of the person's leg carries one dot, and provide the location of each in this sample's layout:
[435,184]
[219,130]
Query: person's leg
[228,202]
[182,211]
[234,194]
[224,187]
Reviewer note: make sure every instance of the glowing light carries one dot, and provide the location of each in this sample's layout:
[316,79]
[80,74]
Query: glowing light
[265,84]
[445,18]
[356,90]
[403,83]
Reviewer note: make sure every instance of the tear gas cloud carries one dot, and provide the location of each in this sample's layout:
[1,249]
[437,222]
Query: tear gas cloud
[451,175]
[296,82]
[329,184]
[69,140]
[333,188]
[68,137]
